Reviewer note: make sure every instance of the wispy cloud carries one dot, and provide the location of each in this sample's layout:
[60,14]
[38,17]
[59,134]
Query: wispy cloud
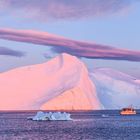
[61,44]
[64,9]
[10,52]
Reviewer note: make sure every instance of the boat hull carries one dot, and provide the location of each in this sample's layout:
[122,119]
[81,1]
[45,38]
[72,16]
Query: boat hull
[128,113]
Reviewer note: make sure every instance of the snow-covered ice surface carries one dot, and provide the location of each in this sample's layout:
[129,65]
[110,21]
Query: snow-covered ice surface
[51,116]
[116,89]
[64,83]
[59,84]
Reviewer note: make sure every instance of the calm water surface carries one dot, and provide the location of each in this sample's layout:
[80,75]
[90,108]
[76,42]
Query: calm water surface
[85,126]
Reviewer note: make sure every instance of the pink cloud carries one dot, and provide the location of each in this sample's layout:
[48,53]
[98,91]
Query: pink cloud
[65,9]
[62,44]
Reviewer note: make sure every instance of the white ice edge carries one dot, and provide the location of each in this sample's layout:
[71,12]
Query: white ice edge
[52,116]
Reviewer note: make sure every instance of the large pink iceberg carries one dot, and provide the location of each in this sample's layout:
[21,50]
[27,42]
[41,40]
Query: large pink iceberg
[59,84]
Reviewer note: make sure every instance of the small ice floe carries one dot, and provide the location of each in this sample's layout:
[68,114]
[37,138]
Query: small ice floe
[105,115]
[52,116]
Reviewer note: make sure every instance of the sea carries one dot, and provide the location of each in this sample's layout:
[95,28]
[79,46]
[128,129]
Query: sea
[87,125]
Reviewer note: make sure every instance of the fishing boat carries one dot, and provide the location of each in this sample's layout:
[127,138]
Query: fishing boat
[128,111]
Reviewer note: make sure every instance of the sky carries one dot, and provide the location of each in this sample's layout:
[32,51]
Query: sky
[102,33]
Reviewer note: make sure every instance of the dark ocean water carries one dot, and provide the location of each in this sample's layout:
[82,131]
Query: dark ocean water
[85,126]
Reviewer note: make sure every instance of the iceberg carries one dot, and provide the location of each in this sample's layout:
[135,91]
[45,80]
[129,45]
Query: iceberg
[51,116]
[64,83]
[116,89]
[61,83]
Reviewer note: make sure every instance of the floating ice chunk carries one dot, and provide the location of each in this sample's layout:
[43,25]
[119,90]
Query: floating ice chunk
[60,116]
[105,115]
[41,116]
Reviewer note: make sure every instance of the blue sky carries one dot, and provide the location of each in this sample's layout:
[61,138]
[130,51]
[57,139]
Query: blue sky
[118,28]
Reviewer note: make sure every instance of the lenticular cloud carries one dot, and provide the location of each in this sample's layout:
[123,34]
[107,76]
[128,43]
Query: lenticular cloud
[62,44]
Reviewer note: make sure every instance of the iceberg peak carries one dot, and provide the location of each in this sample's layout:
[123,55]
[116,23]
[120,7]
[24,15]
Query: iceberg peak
[59,84]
